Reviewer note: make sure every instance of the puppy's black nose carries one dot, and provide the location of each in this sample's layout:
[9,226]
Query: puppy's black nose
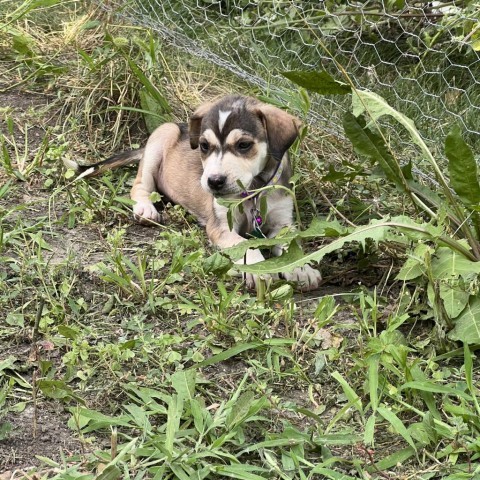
[217,182]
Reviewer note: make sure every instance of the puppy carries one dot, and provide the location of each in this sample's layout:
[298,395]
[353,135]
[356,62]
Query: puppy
[230,148]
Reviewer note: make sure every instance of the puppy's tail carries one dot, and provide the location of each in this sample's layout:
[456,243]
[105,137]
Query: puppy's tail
[119,160]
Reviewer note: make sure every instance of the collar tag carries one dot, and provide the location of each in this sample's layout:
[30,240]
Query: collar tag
[257,220]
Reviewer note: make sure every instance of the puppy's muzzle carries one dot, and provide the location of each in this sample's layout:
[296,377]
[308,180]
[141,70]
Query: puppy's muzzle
[216,183]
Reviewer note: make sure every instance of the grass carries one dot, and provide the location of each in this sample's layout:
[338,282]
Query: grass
[129,352]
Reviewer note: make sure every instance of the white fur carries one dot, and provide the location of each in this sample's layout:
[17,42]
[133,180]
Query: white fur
[146,212]
[222,118]
[235,168]
[85,173]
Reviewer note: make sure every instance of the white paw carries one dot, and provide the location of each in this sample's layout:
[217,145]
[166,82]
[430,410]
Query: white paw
[145,212]
[306,278]
[251,280]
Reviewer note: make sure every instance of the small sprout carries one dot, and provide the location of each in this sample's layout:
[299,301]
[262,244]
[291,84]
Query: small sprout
[70,173]
[155,197]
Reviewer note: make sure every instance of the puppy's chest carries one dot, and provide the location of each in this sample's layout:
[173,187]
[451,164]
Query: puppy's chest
[248,218]
[259,220]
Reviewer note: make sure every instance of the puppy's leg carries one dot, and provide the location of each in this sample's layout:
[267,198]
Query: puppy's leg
[280,216]
[162,139]
[144,211]
[220,235]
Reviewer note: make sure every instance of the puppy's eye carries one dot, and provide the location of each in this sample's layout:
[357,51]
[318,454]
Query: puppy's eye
[244,145]
[204,146]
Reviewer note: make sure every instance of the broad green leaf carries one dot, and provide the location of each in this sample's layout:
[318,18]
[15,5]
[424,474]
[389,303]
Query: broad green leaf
[15,319]
[418,375]
[364,101]
[462,168]
[420,433]
[375,106]
[449,264]
[24,45]
[8,363]
[376,230]
[183,381]
[68,332]
[198,412]
[139,416]
[57,389]
[318,82]
[415,266]
[277,442]
[467,324]
[454,299]
[318,228]
[174,412]
[179,471]
[397,425]
[217,264]
[240,409]
[97,420]
[280,294]
[365,142]
[5,429]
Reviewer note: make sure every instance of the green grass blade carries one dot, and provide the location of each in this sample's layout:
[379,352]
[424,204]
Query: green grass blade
[397,425]
[435,388]
[373,363]
[397,458]
[468,363]
[241,472]
[351,395]
[231,352]
[368,436]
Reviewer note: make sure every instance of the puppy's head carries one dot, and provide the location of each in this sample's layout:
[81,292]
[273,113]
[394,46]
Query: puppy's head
[236,137]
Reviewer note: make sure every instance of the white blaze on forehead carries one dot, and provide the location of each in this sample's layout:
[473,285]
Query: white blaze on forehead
[222,118]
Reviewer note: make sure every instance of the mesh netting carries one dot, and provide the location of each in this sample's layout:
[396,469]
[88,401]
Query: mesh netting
[421,56]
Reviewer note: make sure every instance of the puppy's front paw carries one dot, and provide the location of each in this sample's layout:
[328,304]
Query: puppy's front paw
[251,280]
[306,278]
[145,212]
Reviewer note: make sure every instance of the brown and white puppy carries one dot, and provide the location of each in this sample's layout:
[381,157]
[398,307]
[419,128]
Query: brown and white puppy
[231,147]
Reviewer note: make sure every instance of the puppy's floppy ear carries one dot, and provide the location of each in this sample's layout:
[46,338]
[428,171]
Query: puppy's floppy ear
[195,123]
[281,128]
